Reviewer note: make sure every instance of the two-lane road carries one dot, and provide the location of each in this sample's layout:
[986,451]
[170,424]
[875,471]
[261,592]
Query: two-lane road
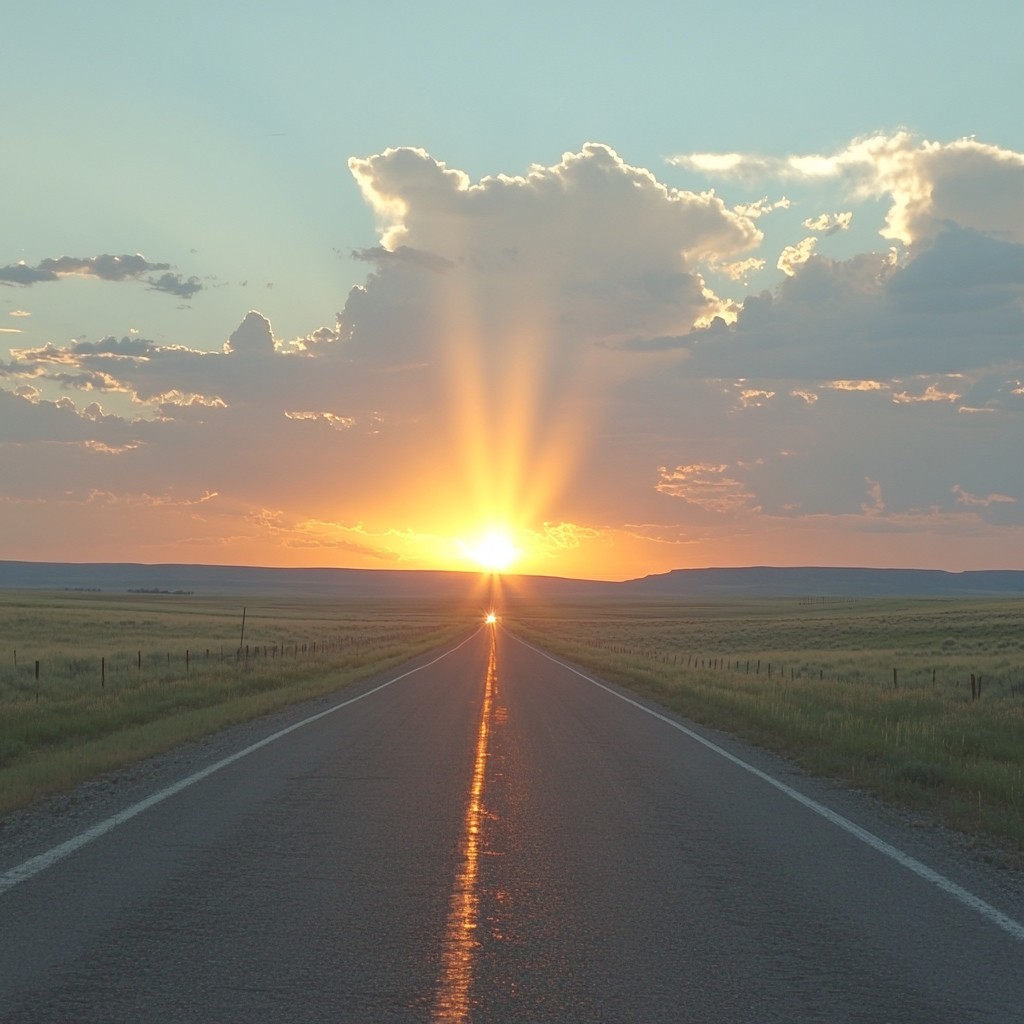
[489,835]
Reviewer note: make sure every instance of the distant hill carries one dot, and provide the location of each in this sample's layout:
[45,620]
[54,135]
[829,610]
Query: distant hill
[207,580]
[810,581]
[701,584]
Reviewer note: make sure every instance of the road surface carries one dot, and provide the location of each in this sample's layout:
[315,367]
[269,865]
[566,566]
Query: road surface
[487,835]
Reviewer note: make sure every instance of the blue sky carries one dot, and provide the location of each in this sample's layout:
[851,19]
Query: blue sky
[224,146]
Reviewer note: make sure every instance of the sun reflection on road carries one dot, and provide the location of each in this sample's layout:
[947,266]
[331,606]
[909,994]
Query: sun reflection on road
[453,1002]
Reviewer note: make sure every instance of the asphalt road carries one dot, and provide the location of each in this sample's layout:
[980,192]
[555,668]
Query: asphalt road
[493,837]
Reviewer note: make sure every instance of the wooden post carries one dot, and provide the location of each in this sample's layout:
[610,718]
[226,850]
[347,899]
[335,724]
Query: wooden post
[140,661]
[103,673]
[974,692]
[37,671]
[242,638]
[895,680]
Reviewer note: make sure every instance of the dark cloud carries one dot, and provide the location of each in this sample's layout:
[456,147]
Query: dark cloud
[252,337]
[175,284]
[403,255]
[104,267]
[21,273]
[115,347]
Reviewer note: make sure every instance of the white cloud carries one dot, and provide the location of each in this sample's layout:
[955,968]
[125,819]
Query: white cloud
[590,247]
[875,505]
[761,207]
[707,486]
[971,184]
[794,256]
[984,501]
[829,223]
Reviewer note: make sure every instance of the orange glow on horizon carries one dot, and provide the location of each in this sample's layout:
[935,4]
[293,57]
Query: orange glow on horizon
[494,551]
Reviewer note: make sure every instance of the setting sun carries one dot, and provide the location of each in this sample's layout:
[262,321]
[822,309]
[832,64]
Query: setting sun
[494,551]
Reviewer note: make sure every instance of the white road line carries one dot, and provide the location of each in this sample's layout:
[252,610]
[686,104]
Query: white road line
[30,868]
[997,917]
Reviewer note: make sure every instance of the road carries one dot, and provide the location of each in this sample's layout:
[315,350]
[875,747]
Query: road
[487,835]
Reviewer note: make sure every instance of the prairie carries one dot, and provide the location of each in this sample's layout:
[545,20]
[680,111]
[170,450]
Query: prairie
[90,682]
[876,692]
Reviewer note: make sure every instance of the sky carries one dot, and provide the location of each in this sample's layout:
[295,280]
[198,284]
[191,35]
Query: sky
[591,290]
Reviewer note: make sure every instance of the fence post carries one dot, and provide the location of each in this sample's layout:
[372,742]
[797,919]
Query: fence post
[895,680]
[103,673]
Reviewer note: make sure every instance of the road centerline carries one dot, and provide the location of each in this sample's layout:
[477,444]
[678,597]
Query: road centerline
[452,1002]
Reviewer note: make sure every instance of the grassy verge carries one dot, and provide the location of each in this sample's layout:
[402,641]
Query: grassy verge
[816,682]
[121,679]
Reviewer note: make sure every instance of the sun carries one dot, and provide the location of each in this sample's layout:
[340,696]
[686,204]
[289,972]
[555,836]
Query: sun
[494,551]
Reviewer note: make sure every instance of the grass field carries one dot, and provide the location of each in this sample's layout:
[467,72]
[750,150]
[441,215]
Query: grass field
[123,677]
[874,692]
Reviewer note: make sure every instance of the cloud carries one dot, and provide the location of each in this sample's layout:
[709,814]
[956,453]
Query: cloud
[875,504]
[175,284]
[967,183]
[595,248]
[762,207]
[104,267]
[955,305]
[829,223]
[21,273]
[984,501]
[404,255]
[707,486]
[252,337]
[794,256]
